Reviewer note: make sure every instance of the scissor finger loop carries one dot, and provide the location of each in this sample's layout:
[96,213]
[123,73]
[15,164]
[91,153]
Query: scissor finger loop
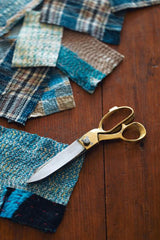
[137,128]
[118,126]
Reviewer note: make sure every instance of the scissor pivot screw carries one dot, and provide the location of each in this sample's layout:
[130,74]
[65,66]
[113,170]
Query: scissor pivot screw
[86,141]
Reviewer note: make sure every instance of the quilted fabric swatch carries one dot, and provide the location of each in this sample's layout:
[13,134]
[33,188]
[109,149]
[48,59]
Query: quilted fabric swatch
[86,60]
[37,44]
[89,16]
[40,204]
[57,96]
[12,11]
[118,5]
[20,89]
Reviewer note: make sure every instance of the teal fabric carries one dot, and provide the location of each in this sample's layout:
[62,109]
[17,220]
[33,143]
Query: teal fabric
[57,96]
[21,153]
[11,11]
[78,70]
[13,202]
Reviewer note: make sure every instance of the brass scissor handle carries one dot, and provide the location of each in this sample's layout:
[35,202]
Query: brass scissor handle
[117,132]
[118,126]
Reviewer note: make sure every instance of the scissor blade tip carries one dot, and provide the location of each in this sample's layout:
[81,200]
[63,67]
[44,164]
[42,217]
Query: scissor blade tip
[31,179]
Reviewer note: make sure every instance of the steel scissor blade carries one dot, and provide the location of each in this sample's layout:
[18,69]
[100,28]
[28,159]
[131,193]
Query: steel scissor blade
[58,161]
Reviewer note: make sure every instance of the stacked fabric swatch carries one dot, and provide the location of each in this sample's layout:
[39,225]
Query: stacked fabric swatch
[103,19]
[33,52]
[40,205]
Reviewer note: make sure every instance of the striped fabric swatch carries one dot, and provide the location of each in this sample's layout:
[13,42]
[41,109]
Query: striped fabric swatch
[57,96]
[40,204]
[20,89]
[11,11]
[89,16]
[118,5]
[86,60]
[37,44]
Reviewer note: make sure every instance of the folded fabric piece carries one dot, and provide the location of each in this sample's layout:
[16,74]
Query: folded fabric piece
[20,89]
[86,60]
[5,45]
[8,39]
[40,204]
[90,16]
[37,44]
[118,5]
[58,96]
[12,11]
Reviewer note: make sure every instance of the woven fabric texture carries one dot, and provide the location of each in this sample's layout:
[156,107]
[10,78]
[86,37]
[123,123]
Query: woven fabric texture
[5,45]
[89,16]
[40,204]
[30,209]
[118,5]
[37,44]
[21,153]
[20,89]
[57,96]
[86,60]
[12,11]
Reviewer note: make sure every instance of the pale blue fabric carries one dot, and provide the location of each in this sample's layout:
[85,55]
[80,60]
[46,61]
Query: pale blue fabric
[10,12]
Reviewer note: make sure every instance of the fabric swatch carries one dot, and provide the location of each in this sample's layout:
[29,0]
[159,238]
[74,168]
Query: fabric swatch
[12,11]
[5,45]
[40,204]
[86,60]
[37,44]
[8,39]
[118,5]
[89,16]
[57,96]
[20,89]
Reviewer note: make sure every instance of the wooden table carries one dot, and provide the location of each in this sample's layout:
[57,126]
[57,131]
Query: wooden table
[117,196]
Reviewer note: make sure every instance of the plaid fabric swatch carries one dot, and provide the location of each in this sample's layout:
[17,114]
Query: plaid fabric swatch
[11,11]
[20,89]
[86,60]
[40,204]
[57,96]
[37,44]
[90,16]
[118,5]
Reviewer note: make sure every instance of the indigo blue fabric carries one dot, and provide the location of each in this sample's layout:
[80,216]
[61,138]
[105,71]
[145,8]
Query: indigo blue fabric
[78,70]
[30,209]
[118,5]
[93,17]
[41,204]
[13,202]
[20,89]
[57,96]
[11,11]
[21,153]
[86,60]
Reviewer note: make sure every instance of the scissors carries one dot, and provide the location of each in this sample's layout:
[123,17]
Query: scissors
[90,139]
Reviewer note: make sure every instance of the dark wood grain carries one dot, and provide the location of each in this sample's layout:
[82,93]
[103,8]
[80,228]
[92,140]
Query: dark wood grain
[118,193]
[133,170]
